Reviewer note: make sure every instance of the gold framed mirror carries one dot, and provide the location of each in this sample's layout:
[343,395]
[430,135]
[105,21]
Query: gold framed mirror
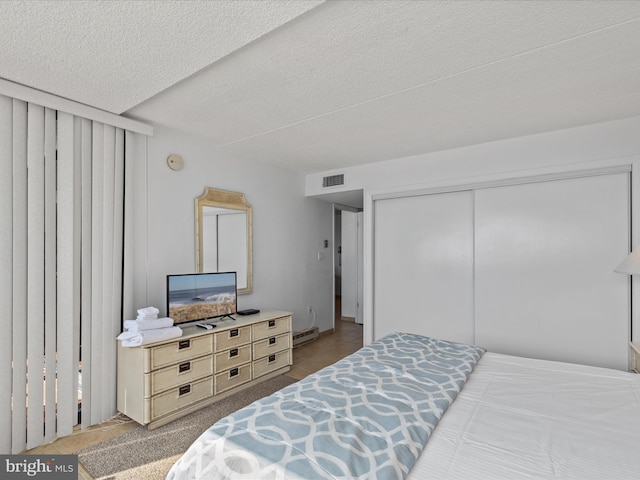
[224,235]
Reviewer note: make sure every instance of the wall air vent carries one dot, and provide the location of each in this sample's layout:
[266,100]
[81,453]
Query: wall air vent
[333,180]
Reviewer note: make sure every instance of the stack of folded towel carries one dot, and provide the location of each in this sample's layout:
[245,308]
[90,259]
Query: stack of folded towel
[148,328]
[147,320]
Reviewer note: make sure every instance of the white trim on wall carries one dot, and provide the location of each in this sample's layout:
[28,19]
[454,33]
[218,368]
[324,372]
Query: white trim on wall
[600,167]
[635,239]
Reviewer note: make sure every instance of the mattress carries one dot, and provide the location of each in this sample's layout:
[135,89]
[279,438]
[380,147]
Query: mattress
[523,418]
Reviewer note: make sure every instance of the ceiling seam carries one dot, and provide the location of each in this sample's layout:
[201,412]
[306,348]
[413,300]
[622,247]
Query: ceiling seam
[430,82]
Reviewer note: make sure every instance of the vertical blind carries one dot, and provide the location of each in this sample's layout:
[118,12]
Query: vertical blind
[61,271]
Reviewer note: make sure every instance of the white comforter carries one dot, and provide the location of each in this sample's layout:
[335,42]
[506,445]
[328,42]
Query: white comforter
[522,418]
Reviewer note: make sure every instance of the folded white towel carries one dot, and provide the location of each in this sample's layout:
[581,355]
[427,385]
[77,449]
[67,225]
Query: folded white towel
[148,311]
[139,325]
[135,339]
[147,317]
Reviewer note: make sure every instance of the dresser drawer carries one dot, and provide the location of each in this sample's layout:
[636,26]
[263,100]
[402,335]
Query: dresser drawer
[232,338]
[231,358]
[271,363]
[276,343]
[270,328]
[179,351]
[231,378]
[180,397]
[178,374]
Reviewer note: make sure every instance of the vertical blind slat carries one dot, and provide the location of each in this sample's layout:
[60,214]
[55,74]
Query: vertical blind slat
[127,275]
[77,264]
[50,272]
[108,347]
[6,269]
[97,220]
[118,227]
[35,275]
[19,314]
[107,261]
[66,269]
[86,269]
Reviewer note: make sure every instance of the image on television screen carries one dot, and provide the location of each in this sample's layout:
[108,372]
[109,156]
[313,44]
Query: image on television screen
[201,296]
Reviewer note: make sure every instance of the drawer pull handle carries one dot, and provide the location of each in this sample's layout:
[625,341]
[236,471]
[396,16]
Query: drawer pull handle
[183,390]
[272,323]
[233,333]
[184,367]
[272,340]
[182,344]
[233,353]
[233,372]
[272,358]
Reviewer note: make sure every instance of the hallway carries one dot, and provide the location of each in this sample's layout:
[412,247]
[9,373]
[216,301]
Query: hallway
[328,348]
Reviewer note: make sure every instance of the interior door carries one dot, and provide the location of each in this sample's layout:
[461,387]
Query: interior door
[423,266]
[544,280]
[349,264]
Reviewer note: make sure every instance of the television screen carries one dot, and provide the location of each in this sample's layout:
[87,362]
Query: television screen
[201,296]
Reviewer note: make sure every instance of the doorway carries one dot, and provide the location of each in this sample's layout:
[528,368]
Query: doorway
[348,268]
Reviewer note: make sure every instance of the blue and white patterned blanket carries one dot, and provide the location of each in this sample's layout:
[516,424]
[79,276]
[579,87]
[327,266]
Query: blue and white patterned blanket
[367,416]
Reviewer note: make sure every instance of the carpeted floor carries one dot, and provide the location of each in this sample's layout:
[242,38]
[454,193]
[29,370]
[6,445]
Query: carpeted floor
[143,454]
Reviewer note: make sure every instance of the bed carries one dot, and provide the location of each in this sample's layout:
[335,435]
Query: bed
[415,407]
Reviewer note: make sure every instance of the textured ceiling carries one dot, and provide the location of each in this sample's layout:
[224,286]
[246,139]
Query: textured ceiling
[313,86]
[115,54]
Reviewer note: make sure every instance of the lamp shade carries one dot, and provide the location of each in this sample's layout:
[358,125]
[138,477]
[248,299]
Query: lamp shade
[631,264]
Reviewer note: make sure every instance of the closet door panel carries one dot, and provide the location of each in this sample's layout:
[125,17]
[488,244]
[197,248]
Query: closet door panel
[544,259]
[423,266]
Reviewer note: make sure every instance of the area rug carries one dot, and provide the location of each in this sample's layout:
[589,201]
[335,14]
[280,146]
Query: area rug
[142,454]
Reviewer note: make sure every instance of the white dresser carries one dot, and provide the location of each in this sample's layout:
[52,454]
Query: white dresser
[160,382]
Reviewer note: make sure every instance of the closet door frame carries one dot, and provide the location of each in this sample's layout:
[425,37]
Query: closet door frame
[618,165]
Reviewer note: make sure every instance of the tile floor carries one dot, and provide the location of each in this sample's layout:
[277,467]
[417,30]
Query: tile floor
[327,349]
[330,347]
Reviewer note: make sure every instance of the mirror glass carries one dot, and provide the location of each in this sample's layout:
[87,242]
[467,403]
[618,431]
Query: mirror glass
[223,235]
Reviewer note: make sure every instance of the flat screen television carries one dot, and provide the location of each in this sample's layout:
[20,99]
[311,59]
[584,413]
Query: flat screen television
[200,297]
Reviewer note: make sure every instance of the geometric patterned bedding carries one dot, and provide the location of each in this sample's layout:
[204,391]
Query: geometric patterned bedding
[367,416]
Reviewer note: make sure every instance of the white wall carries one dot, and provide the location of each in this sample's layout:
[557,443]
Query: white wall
[562,147]
[569,149]
[288,229]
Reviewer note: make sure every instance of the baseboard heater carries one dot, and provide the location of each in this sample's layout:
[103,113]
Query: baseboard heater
[306,336]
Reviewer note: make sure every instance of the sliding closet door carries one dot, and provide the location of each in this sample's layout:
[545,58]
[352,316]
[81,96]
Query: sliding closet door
[545,285]
[423,266]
